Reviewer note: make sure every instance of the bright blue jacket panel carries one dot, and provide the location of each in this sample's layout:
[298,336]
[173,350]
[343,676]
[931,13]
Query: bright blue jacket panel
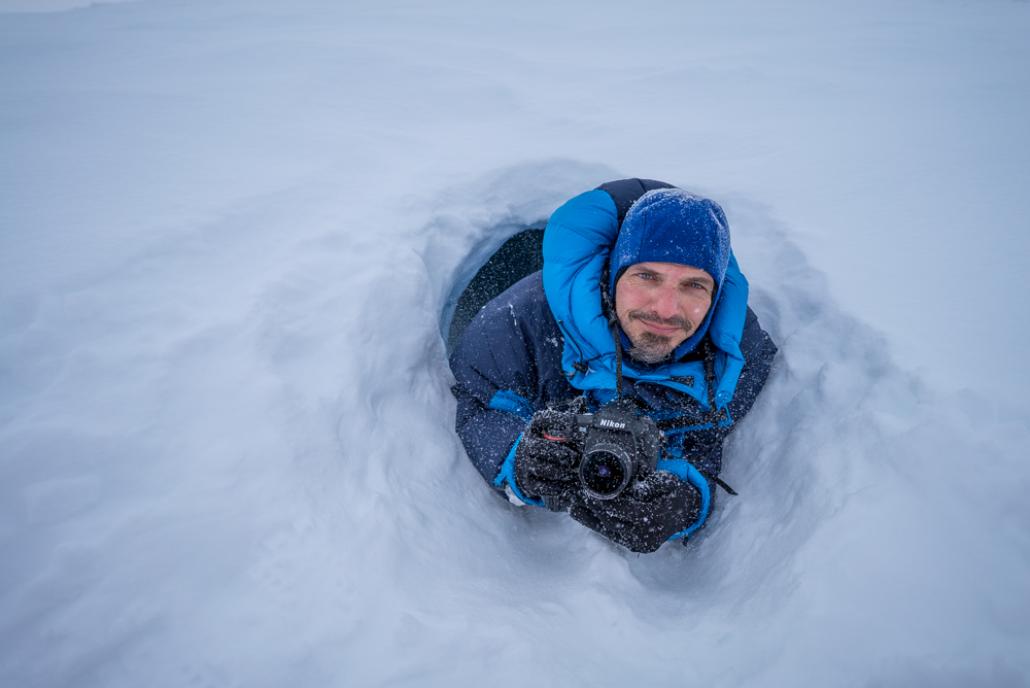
[577,243]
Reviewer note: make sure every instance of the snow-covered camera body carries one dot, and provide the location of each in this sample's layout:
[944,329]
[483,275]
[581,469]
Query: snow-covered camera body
[618,445]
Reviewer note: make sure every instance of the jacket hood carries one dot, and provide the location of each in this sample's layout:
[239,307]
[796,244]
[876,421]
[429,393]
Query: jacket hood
[580,238]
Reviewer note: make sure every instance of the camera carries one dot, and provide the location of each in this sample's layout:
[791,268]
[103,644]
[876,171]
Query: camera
[618,443]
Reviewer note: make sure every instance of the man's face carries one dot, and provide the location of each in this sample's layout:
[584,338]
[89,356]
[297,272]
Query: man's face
[659,305]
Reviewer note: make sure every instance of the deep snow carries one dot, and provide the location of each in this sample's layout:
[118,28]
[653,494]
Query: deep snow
[228,232]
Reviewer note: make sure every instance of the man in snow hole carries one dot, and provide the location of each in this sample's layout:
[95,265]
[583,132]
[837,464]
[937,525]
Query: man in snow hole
[640,304]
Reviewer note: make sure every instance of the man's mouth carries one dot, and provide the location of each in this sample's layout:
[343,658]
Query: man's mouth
[665,326]
[663,329]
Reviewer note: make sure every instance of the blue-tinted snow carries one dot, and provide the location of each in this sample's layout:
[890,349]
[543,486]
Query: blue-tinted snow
[228,230]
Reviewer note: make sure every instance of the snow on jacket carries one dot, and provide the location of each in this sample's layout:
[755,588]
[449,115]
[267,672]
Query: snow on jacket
[545,341]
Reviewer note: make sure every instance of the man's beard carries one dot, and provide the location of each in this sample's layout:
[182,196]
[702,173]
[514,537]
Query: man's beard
[652,348]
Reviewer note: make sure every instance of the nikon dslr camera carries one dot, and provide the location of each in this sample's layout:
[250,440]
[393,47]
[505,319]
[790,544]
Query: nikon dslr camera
[619,444]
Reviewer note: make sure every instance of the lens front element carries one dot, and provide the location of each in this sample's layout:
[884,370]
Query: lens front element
[604,473]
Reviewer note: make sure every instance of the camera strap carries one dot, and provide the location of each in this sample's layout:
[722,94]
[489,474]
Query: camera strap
[613,327]
[714,413]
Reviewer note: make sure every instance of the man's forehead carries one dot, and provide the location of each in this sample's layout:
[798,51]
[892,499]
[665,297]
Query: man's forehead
[674,270]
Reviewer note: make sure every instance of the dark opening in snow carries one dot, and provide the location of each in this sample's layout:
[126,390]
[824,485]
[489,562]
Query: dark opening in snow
[519,256]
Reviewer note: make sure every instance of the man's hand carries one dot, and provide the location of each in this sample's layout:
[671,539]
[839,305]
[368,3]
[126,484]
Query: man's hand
[645,515]
[546,458]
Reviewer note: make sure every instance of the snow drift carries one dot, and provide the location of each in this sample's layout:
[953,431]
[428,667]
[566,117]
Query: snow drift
[228,236]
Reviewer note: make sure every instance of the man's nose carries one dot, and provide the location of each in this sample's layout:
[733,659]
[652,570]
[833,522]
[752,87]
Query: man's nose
[666,303]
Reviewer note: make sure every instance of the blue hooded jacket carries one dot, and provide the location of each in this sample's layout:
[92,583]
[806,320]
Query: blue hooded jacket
[546,341]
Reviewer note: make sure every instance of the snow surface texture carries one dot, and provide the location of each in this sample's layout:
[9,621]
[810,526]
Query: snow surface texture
[227,234]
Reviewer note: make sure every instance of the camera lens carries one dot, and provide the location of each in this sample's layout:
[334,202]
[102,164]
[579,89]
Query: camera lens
[604,473]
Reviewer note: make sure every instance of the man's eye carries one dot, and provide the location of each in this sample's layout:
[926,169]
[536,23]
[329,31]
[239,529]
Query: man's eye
[698,285]
[645,276]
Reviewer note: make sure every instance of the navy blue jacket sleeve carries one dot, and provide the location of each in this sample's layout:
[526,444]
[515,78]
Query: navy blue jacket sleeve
[704,448]
[496,379]
[758,349]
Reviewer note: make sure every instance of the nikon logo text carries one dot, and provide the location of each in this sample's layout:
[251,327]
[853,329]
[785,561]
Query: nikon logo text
[615,425]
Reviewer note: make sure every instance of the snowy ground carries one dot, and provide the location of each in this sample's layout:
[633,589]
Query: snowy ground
[227,234]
